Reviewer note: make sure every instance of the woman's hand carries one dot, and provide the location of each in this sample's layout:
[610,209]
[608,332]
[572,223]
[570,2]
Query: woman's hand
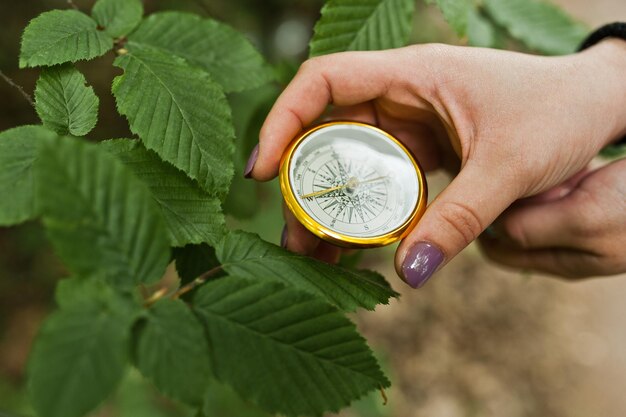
[513,125]
[575,230]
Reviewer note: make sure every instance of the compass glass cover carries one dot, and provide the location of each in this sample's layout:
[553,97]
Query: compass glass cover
[354,180]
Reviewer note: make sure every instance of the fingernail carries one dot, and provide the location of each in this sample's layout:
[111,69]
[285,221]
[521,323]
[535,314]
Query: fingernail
[420,263]
[251,161]
[283,237]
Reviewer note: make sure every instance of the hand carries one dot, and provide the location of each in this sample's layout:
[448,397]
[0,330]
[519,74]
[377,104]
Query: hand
[576,230]
[520,124]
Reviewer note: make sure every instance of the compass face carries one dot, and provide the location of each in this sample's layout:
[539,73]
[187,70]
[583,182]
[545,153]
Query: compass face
[354,180]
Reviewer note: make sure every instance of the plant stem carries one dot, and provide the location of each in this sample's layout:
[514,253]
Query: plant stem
[384,395]
[162,292]
[71,3]
[196,282]
[19,88]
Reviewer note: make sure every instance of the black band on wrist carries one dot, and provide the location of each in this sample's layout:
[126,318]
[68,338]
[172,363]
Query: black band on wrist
[612,30]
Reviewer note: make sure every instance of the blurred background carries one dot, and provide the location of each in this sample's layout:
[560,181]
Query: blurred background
[476,341]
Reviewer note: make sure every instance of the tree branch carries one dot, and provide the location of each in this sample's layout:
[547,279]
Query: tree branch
[162,292]
[19,88]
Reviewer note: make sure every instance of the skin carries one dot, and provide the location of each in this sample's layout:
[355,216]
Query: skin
[518,131]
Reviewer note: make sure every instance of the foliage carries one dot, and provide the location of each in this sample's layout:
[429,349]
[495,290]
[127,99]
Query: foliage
[269,323]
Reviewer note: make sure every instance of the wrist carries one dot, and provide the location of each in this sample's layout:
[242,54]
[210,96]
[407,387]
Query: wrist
[605,64]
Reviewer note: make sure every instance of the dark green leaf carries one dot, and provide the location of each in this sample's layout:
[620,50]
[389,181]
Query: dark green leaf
[221,401]
[456,13]
[171,349]
[194,260]
[191,215]
[480,30]
[118,17]
[246,255]
[18,151]
[65,103]
[99,216]
[357,25]
[79,292]
[60,36]
[540,25]
[178,112]
[249,111]
[78,359]
[613,152]
[225,53]
[284,349]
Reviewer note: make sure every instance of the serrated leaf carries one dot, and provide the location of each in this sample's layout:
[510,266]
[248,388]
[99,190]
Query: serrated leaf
[191,215]
[226,54]
[540,25]
[171,349]
[100,218]
[248,256]
[250,108]
[455,12]
[78,358]
[18,152]
[61,36]
[178,112]
[359,25]
[87,292]
[315,357]
[480,30]
[118,17]
[194,260]
[64,101]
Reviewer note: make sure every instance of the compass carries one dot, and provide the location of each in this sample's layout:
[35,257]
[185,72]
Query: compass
[352,184]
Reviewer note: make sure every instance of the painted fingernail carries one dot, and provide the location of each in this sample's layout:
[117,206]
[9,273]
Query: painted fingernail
[420,263]
[251,161]
[283,237]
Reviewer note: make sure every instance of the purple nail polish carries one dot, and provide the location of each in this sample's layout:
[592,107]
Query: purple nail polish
[251,161]
[283,237]
[420,263]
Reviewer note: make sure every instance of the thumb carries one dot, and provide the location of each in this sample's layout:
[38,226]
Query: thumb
[458,215]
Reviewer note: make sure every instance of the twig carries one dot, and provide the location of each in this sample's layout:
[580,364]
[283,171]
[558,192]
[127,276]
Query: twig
[196,282]
[71,3]
[383,394]
[19,88]
[162,292]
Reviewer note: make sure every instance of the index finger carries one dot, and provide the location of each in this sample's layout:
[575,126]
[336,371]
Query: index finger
[343,79]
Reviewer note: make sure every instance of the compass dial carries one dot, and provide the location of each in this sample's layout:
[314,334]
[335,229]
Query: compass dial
[353,180]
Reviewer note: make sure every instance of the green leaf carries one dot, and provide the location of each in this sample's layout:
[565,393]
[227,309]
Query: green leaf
[178,112]
[248,256]
[481,31]
[79,357]
[194,260]
[85,292]
[191,215]
[612,152]
[221,400]
[284,349]
[540,25]
[456,13]
[171,349]
[99,216]
[250,108]
[60,36]
[357,25]
[118,17]
[64,102]
[219,49]
[18,152]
